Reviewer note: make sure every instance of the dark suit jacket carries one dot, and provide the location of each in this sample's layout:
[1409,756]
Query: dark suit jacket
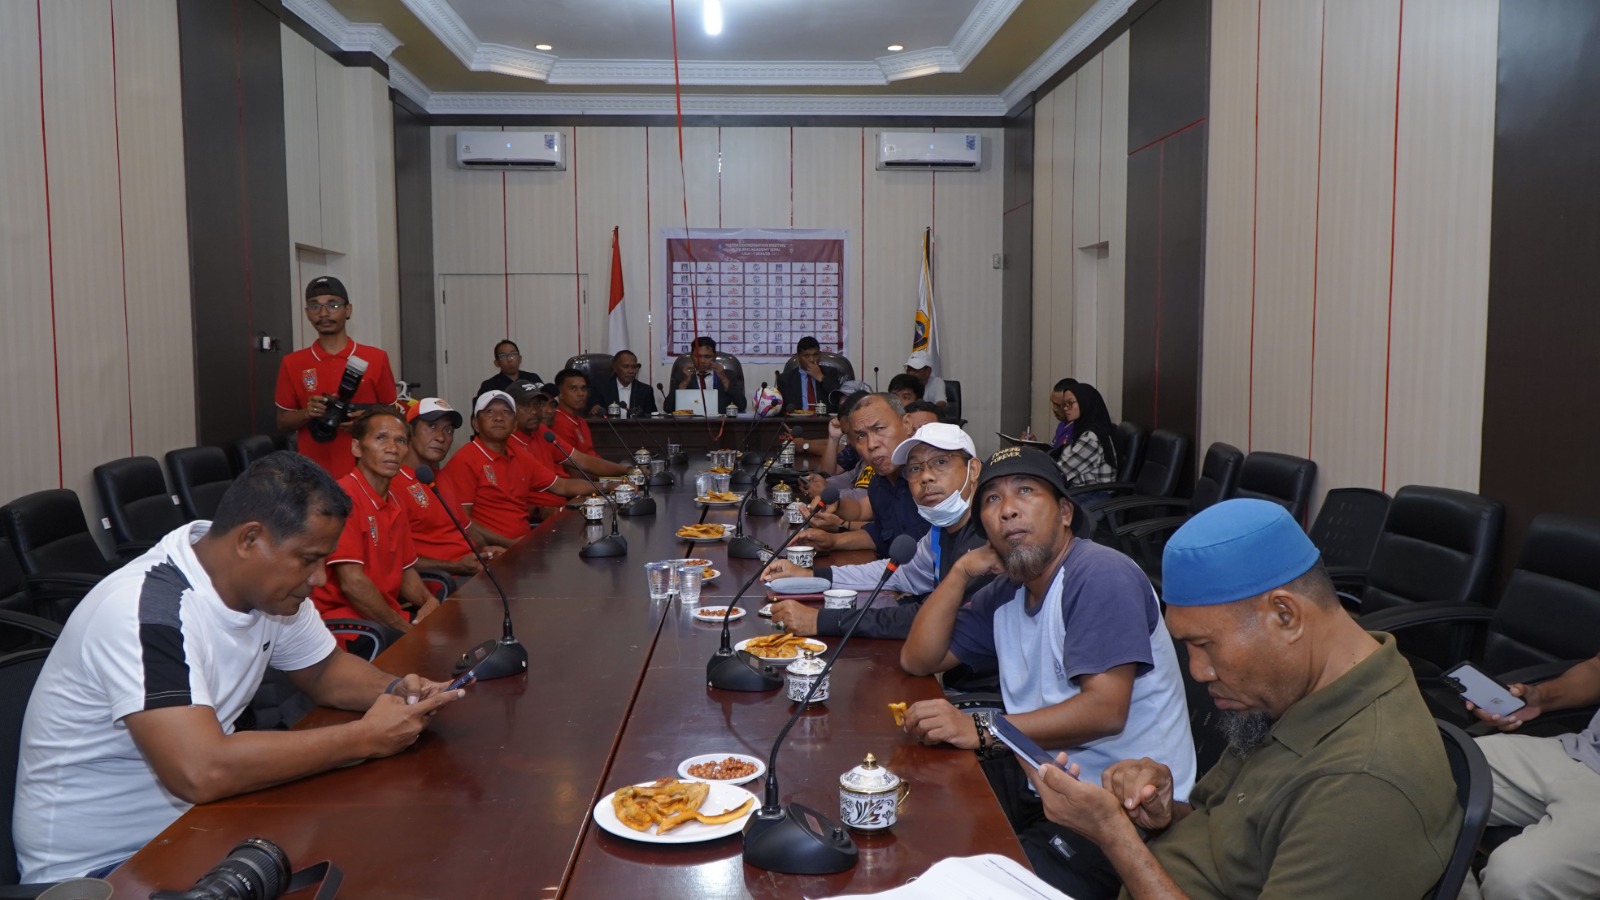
[794,398]
[642,401]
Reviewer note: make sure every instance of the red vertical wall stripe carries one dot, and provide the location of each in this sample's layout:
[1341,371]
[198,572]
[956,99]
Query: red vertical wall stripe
[1316,241]
[577,267]
[1394,194]
[50,249]
[863,319]
[650,267]
[122,240]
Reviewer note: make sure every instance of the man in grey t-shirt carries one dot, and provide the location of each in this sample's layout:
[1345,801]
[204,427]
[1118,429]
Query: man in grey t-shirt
[1550,787]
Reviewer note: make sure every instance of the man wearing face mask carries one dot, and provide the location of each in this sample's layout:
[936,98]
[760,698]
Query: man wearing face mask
[941,466]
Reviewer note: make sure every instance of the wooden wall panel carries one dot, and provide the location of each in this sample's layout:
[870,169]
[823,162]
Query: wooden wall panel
[86,237]
[371,267]
[469,216]
[418,295]
[898,207]
[540,207]
[1086,270]
[1112,216]
[1444,170]
[1361,49]
[27,343]
[1230,226]
[754,188]
[1286,223]
[611,170]
[300,139]
[830,171]
[1043,376]
[1062,247]
[156,257]
[333,125]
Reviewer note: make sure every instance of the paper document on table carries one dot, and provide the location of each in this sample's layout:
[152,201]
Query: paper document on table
[986,877]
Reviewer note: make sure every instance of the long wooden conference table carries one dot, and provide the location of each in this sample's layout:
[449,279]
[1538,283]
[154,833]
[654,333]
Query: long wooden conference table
[494,799]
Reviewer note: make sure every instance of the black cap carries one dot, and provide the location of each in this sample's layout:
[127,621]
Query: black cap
[527,392]
[327,284]
[1034,464]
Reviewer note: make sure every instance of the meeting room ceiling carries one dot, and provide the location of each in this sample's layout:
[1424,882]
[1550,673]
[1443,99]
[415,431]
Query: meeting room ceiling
[783,57]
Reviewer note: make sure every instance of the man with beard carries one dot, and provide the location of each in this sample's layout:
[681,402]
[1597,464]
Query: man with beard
[1336,783]
[1085,661]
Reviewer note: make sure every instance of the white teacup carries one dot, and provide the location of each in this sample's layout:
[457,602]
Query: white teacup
[838,598]
[801,557]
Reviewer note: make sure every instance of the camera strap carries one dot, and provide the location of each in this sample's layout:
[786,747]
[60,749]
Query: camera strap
[326,872]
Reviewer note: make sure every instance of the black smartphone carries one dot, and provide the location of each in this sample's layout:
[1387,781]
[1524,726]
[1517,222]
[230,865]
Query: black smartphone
[1024,746]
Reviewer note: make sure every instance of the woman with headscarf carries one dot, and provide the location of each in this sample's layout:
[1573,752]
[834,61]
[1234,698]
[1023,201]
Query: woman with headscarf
[1087,454]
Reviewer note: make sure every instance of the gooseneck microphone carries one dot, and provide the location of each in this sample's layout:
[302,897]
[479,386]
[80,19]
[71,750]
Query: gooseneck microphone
[742,670]
[738,477]
[613,544]
[495,658]
[797,839]
[743,546]
[874,379]
[644,504]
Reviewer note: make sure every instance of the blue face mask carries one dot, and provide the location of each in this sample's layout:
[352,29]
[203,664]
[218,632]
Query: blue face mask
[949,510]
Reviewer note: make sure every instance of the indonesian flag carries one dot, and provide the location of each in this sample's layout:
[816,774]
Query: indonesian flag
[616,322]
[925,337]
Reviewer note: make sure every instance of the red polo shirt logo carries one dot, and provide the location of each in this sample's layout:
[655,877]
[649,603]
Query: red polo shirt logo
[308,378]
[488,472]
[419,495]
[372,529]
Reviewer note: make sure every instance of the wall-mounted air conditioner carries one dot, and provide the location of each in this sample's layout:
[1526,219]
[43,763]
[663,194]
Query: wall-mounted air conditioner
[545,150]
[938,151]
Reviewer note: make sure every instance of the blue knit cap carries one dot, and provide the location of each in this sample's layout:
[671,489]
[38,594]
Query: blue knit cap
[1234,550]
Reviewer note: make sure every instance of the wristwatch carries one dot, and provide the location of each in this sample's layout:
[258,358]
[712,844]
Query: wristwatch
[988,746]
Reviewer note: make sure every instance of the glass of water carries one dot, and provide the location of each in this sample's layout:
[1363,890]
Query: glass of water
[658,576]
[689,584]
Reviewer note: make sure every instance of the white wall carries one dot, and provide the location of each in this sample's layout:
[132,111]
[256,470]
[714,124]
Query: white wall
[529,253]
[96,348]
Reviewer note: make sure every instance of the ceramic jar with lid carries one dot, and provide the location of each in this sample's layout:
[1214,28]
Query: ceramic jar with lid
[801,675]
[870,796]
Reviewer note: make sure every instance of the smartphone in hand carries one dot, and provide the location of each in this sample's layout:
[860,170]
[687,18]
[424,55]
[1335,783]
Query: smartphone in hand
[462,680]
[1023,745]
[1482,691]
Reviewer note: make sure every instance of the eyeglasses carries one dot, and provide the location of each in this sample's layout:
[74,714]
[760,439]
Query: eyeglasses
[939,464]
[512,355]
[330,306]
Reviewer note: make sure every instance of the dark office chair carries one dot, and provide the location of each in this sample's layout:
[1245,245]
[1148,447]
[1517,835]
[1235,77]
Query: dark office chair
[247,450]
[1285,480]
[1143,539]
[138,509]
[952,403]
[1475,794]
[594,366]
[1165,453]
[1129,439]
[833,362]
[200,476]
[1347,527]
[1546,619]
[62,562]
[18,673]
[1205,720]
[278,705]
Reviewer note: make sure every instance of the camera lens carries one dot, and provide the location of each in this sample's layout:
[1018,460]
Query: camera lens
[255,869]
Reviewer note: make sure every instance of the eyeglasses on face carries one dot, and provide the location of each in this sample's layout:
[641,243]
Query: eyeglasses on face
[330,306]
[939,464]
[509,354]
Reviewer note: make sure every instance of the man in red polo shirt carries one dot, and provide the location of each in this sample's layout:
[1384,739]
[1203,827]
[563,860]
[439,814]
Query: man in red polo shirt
[307,377]
[372,570]
[440,547]
[495,480]
[534,408]
[572,399]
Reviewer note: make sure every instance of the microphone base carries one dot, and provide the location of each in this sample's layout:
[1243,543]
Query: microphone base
[740,478]
[643,506]
[677,459]
[664,479]
[612,545]
[746,547]
[750,459]
[494,659]
[740,671]
[797,840]
[760,506]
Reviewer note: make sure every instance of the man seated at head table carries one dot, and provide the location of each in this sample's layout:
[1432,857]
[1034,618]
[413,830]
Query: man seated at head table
[808,384]
[1085,661]
[440,546]
[572,399]
[373,572]
[1550,788]
[878,424]
[1335,783]
[544,459]
[623,388]
[132,718]
[706,372]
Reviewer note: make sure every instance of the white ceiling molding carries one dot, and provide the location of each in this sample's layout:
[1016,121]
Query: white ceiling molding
[401,79]
[551,104]
[917,63]
[1084,32]
[659,71]
[441,19]
[508,60]
[347,35]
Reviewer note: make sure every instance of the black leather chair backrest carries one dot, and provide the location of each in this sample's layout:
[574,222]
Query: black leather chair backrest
[1437,545]
[728,360]
[48,532]
[594,366]
[13,581]
[1347,527]
[833,362]
[1475,794]
[1164,457]
[200,476]
[1129,439]
[1279,477]
[1219,476]
[1550,609]
[952,402]
[134,498]
[19,672]
[248,450]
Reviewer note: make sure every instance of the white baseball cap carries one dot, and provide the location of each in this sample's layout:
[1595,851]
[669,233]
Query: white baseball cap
[943,435]
[919,359]
[488,397]
[432,409]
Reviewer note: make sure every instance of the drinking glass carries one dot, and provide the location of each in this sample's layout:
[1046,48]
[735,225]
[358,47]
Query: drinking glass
[658,575]
[689,584]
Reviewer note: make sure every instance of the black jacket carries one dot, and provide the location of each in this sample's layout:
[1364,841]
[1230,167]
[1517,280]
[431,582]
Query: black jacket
[641,402]
[793,396]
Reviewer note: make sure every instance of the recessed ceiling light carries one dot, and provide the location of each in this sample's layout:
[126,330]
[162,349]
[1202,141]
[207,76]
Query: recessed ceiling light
[712,13]
[544,47]
[895,48]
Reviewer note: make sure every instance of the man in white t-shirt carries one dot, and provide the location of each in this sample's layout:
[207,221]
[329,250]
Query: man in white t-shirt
[1085,661]
[132,719]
